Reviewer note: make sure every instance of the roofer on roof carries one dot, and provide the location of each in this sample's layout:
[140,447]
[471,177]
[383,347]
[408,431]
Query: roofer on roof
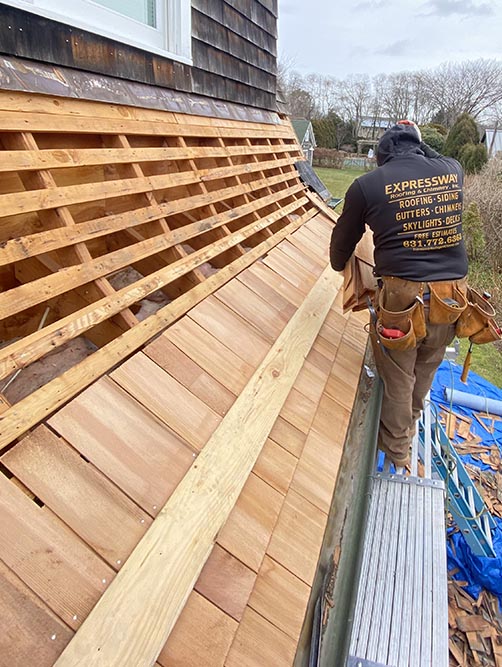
[413,204]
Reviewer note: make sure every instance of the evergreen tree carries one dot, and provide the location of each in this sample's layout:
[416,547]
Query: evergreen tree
[464,131]
[331,131]
[433,138]
[463,144]
[473,157]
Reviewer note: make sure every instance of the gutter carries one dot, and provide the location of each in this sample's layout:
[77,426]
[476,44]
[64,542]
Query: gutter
[324,641]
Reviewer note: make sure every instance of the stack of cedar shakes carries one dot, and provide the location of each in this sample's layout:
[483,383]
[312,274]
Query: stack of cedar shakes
[166,468]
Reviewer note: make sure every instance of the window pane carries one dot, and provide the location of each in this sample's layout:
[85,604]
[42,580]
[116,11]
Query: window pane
[140,10]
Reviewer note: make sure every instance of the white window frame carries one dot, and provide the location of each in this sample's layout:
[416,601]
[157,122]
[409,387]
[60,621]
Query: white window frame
[171,38]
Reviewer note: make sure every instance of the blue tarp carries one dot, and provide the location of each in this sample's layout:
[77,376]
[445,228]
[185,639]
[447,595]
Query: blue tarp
[477,571]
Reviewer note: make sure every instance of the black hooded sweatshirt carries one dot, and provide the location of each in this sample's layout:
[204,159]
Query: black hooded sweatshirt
[413,204]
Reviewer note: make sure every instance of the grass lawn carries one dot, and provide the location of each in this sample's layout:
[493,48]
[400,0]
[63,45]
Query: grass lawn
[486,359]
[338,180]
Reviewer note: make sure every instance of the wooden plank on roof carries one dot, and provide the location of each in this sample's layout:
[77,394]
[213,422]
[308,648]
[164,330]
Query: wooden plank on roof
[249,526]
[131,622]
[31,633]
[48,557]
[276,466]
[341,388]
[226,582]
[44,122]
[297,538]
[278,282]
[311,381]
[280,597]
[316,472]
[315,267]
[212,355]
[331,419]
[202,636]
[299,410]
[124,440]
[252,308]
[28,160]
[298,276]
[183,369]
[258,643]
[288,436]
[231,330]
[167,399]
[255,281]
[105,518]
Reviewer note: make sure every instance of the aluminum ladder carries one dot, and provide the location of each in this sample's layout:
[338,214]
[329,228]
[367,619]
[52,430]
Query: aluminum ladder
[401,611]
[464,501]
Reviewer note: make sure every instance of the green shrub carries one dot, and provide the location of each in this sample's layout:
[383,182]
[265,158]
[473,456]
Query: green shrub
[464,131]
[473,157]
[433,138]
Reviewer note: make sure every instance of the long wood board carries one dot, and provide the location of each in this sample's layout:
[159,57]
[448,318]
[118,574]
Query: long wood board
[133,619]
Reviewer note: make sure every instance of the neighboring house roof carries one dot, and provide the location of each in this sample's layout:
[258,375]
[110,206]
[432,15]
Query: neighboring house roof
[249,357]
[304,131]
[493,141]
[382,123]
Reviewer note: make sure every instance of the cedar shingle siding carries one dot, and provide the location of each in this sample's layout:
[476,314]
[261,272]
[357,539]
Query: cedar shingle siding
[233,49]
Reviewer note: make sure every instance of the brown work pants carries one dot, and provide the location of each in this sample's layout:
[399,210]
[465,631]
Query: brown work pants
[407,375]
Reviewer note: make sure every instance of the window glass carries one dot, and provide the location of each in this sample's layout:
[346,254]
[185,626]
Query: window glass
[139,10]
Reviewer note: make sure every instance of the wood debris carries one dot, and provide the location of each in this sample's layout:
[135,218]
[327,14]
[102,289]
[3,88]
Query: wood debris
[458,425]
[475,626]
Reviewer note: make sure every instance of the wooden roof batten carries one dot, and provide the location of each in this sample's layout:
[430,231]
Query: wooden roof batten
[174,196]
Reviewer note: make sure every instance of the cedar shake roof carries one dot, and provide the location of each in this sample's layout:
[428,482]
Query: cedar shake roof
[181,471]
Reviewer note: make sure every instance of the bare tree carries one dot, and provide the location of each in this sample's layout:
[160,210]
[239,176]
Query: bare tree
[324,90]
[355,98]
[467,87]
[441,94]
[299,101]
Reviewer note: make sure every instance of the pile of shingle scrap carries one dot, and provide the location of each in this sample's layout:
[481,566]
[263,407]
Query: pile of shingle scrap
[475,626]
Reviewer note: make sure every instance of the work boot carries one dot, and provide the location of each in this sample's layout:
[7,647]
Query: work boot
[398,459]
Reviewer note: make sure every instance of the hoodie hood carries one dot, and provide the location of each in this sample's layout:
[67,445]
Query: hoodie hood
[397,140]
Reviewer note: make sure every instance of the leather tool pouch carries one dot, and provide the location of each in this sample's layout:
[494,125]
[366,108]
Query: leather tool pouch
[488,334]
[476,317]
[410,321]
[442,312]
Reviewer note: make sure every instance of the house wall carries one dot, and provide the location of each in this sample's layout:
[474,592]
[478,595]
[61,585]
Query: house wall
[233,50]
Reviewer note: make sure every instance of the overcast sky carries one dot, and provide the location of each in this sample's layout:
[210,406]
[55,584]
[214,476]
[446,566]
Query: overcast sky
[341,37]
